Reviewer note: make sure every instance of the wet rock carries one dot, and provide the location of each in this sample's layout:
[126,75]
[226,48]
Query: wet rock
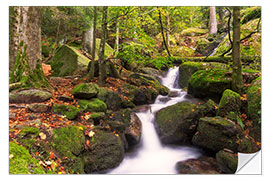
[202,165]
[134,131]
[29,96]
[152,72]
[216,133]
[227,161]
[173,93]
[38,107]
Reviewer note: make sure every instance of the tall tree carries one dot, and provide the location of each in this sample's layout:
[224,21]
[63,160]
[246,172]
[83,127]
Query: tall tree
[237,79]
[102,62]
[91,64]
[26,45]
[162,32]
[213,20]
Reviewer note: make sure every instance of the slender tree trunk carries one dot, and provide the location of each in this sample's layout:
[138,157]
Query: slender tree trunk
[86,40]
[168,29]
[213,20]
[93,52]
[117,36]
[102,62]
[237,78]
[163,36]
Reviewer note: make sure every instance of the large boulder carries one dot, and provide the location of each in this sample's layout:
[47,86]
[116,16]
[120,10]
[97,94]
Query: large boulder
[229,103]
[68,61]
[38,107]
[106,151]
[216,133]
[177,123]
[21,162]
[69,144]
[209,83]
[202,165]
[29,96]
[111,99]
[227,161]
[151,71]
[254,100]
[93,105]
[85,90]
[70,112]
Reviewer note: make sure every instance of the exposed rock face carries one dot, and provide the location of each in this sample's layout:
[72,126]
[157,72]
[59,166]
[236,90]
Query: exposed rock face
[29,96]
[85,90]
[106,152]
[203,165]
[216,133]
[227,161]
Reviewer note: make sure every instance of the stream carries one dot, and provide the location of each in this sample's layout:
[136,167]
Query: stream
[150,156]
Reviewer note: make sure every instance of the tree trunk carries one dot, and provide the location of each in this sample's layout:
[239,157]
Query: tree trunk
[237,78]
[86,40]
[91,64]
[102,63]
[168,30]
[213,20]
[26,44]
[163,36]
[117,36]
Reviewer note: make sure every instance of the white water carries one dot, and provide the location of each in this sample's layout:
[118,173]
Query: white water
[151,157]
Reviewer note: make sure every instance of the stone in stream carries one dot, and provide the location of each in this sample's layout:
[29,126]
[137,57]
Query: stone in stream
[227,161]
[29,96]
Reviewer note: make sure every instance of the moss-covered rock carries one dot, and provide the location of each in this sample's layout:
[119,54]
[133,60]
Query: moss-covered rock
[193,32]
[209,83]
[151,71]
[70,112]
[93,105]
[254,100]
[29,96]
[38,107]
[179,50]
[249,14]
[202,165]
[106,152]
[21,162]
[230,102]
[111,99]
[69,142]
[216,133]
[68,61]
[227,161]
[247,145]
[85,90]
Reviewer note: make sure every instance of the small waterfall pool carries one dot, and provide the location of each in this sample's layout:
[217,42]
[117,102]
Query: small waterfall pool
[150,156]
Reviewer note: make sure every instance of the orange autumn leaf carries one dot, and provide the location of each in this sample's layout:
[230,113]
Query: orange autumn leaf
[51,155]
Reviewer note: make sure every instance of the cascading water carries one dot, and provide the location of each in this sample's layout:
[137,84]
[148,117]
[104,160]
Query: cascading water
[151,157]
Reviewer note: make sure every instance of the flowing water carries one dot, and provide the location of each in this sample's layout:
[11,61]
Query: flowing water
[150,156]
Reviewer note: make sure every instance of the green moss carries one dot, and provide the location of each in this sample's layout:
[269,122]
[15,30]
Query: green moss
[227,162]
[179,50]
[29,131]
[93,105]
[111,98]
[193,32]
[70,112]
[21,162]
[230,102]
[186,70]
[249,14]
[85,90]
[254,100]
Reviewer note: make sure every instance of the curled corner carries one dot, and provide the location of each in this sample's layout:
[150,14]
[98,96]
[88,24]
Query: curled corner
[249,163]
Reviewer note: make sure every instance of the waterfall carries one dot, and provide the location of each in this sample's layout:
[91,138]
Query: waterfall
[151,157]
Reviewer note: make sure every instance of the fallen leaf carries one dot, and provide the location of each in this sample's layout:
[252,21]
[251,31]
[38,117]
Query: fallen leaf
[11,156]
[91,133]
[48,162]
[51,155]
[42,136]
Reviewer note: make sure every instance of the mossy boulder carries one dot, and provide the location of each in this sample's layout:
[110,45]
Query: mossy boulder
[209,83]
[216,133]
[85,90]
[179,50]
[38,107]
[111,99]
[106,152]
[69,142]
[21,162]
[230,102]
[29,96]
[68,61]
[28,137]
[70,112]
[202,165]
[151,71]
[93,105]
[227,161]
[193,32]
[254,100]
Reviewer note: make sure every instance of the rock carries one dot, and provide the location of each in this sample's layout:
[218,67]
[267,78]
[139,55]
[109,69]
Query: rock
[193,32]
[254,101]
[152,72]
[144,95]
[216,133]
[227,161]
[230,102]
[68,61]
[93,105]
[106,151]
[209,83]
[65,98]
[29,96]
[203,165]
[21,162]
[111,99]
[38,107]
[85,90]
[69,142]
[247,145]
[70,112]
[134,131]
